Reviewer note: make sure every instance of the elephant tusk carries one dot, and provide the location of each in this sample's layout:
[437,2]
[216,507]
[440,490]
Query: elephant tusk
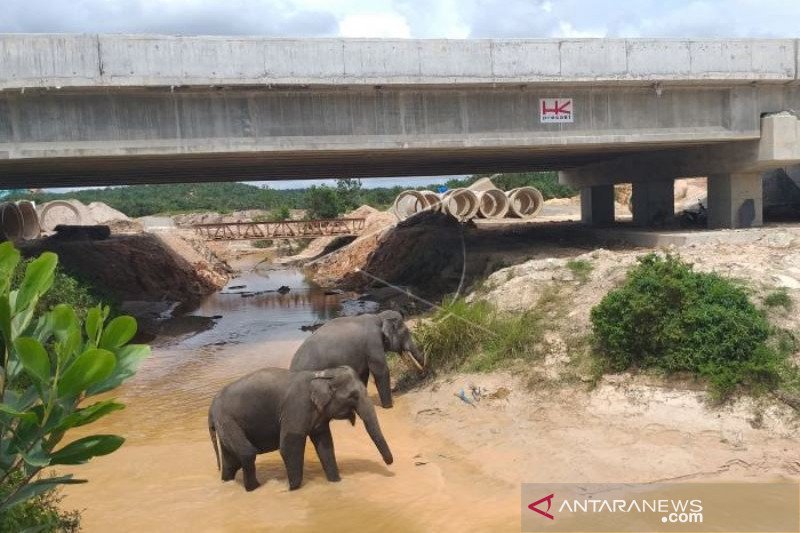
[413,361]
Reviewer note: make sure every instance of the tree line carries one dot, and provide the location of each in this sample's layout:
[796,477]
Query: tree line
[320,201]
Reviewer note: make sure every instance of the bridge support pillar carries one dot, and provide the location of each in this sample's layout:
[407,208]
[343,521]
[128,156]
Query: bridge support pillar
[735,200]
[653,202]
[597,205]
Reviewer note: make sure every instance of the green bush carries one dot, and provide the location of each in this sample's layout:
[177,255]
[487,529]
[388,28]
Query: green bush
[322,202]
[41,513]
[66,289]
[52,364]
[475,336]
[669,317]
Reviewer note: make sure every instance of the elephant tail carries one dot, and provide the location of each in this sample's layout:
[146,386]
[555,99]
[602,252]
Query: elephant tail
[212,431]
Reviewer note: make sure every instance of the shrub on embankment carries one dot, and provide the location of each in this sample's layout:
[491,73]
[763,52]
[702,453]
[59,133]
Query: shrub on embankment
[52,364]
[668,317]
[477,337]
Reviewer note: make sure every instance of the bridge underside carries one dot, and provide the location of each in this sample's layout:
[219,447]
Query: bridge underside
[243,166]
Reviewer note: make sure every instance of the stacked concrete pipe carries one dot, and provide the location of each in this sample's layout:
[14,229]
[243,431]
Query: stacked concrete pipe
[524,202]
[409,203]
[462,204]
[492,202]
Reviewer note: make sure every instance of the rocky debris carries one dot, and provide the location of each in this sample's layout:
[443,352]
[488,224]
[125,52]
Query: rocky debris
[196,252]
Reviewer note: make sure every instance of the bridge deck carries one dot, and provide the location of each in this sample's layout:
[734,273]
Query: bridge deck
[285,229]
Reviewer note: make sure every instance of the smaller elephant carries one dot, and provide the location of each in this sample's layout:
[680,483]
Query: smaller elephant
[360,342]
[274,408]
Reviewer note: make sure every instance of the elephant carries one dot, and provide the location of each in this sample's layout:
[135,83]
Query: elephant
[360,342]
[276,409]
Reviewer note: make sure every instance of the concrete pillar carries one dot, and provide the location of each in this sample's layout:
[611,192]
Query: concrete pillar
[735,200]
[597,205]
[653,202]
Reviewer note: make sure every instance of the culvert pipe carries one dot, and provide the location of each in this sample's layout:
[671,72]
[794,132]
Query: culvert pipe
[433,199]
[409,203]
[30,220]
[460,203]
[492,203]
[11,223]
[524,202]
[58,212]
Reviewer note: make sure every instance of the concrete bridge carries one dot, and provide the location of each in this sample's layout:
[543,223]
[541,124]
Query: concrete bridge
[117,109]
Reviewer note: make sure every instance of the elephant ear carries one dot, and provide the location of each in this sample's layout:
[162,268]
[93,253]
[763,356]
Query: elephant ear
[321,393]
[389,326]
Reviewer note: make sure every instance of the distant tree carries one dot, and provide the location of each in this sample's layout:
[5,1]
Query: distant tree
[322,202]
[280,213]
[349,192]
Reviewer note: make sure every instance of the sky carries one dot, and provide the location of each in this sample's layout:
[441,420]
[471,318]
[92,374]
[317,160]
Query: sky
[450,19]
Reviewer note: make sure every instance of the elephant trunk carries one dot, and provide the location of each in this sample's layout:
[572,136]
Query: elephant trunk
[367,414]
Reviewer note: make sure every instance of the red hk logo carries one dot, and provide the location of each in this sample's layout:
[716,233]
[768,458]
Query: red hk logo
[559,108]
[545,513]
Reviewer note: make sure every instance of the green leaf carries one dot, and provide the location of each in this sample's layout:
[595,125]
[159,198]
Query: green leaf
[128,360]
[5,320]
[38,278]
[34,358]
[36,457]
[94,323]
[25,415]
[118,332]
[89,414]
[35,488]
[64,320]
[82,450]
[90,367]
[9,257]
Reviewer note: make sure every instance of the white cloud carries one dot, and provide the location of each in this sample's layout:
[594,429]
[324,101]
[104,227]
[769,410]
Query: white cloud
[374,25]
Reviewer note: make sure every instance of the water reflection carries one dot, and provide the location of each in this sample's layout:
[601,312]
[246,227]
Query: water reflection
[264,315]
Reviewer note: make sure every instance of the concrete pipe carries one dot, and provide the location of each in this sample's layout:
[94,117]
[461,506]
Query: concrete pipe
[433,199]
[30,220]
[11,223]
[409,203]
[492,203]
[461,203]
[524,202]
[58,212]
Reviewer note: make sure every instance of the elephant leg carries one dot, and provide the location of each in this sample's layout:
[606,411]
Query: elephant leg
[230,464]
[293,446]
[381,374]
[365,376]
[323,443]
[249,473]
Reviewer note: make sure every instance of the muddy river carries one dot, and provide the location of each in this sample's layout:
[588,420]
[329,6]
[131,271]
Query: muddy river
[165,479]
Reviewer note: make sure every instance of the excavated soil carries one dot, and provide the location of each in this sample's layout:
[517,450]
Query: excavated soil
[136,267]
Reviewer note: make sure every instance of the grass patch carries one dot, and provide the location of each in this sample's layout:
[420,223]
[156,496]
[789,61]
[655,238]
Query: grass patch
[778,298]
[477,337]
[581,268]
[668,317]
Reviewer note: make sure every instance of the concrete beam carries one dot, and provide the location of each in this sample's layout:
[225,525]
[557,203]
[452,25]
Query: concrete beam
[597,205]
[167,60]
[735,200]
[778,146]
[653,203]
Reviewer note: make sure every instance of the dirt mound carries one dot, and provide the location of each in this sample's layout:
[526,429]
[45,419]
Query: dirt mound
[209,217]
[350,252]
[423,252]
[131,267]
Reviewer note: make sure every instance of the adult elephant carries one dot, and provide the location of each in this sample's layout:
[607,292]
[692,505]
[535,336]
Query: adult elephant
[274,408]
[360,342]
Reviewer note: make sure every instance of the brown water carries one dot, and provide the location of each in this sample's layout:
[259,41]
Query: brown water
[165,479]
